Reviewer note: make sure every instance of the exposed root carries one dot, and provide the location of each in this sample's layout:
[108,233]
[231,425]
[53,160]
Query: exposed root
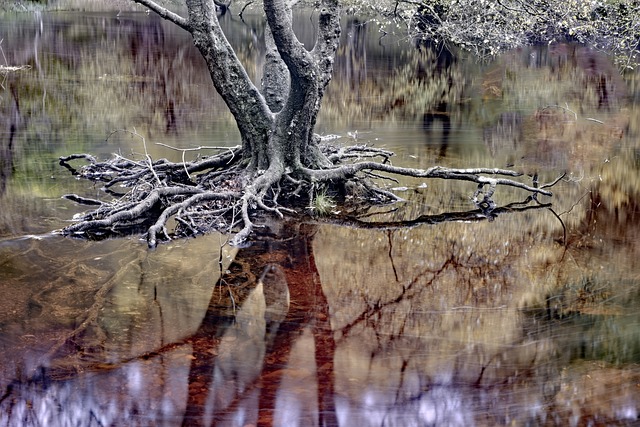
[219,192]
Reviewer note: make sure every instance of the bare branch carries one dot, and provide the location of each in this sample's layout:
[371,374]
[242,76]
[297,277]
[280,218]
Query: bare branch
[133,214]
[173,209]
[249,3]
[201,147]
[554,182]
[165,13]
[472,175]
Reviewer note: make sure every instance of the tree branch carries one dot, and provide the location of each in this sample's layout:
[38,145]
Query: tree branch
[328,38]
[472,175]
[246,103]
[165,13]
[291,50]
[160,223]
[135,213]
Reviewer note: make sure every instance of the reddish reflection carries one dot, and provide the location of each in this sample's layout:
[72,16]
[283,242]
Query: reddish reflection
[269,361]
[267,393]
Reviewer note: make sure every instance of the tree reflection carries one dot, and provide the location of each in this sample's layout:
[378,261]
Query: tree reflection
[399,326]
[10,122]
[304,328]
[259,363]
[268,362]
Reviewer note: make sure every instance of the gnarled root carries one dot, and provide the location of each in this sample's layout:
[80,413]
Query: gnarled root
[220,193]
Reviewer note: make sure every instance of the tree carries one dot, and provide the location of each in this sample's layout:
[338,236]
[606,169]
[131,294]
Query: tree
[488,27]
[281,167]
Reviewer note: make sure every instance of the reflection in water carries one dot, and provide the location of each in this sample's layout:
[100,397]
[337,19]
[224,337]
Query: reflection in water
[9,122]
[401,334]
[431,334]
[96,331]
[526,320]
[156,349]
[571,125]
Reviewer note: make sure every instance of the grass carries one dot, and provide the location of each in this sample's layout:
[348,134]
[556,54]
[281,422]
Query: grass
[322,204]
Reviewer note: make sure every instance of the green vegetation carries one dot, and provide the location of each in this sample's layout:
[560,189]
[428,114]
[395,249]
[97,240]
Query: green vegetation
[322,204]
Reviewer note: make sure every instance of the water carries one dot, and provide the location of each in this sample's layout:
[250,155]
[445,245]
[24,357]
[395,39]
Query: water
[530,319]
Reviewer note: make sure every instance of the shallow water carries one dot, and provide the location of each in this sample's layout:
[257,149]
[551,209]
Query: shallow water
[530,318]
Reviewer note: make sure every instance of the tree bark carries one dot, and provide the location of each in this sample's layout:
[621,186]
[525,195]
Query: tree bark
[276,130]
[310,72]
[248,106]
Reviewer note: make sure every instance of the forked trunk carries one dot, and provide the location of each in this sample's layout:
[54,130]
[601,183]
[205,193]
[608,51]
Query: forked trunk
[276,129]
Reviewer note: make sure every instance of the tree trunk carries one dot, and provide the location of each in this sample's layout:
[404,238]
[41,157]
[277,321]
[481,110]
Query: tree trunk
[276,130]
[310,72]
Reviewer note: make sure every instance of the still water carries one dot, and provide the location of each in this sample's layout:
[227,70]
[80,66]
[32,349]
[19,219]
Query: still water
[531,318]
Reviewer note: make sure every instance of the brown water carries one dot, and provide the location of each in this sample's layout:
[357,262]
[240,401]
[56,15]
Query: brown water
[529,319]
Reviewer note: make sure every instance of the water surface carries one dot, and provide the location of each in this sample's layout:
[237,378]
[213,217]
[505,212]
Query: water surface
[529,318]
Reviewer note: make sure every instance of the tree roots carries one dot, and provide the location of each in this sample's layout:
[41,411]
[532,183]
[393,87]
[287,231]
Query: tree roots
[220,193]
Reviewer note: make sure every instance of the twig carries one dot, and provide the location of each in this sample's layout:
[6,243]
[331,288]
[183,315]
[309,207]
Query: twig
[575,204]
[146,153]
[554,182]
[149,163]
[243,8]
[199,148]
[564,227]
[566,108]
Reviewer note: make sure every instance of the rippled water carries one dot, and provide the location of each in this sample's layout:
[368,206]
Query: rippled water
[530,318]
